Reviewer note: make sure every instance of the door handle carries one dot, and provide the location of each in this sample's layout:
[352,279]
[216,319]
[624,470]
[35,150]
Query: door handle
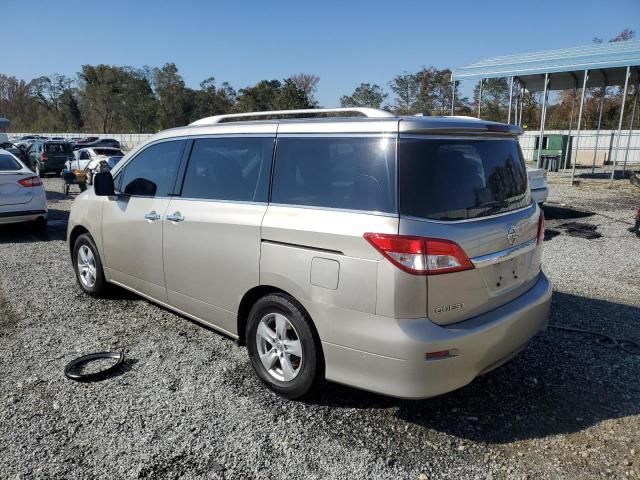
[152,216]
[175,217]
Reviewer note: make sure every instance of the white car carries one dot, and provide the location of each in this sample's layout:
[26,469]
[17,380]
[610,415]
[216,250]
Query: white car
[22,195]
[89,159]
[538,184]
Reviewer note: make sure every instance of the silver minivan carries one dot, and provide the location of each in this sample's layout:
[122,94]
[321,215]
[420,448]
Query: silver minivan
[400,255]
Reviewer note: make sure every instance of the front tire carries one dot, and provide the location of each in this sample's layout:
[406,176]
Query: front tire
[88,266]
[284,347]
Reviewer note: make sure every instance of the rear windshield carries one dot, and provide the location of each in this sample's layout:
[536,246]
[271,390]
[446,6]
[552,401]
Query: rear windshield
[455,179]
[57,148]
[107,152]
[7,162]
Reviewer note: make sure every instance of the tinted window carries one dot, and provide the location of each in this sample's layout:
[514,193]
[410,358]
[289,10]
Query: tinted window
[108,152]
[229,169]
[153,171]
[54,148]
[349,173]
[458,179]
[7,162]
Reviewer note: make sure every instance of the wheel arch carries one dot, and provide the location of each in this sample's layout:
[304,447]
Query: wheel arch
[251,297]
[75,233]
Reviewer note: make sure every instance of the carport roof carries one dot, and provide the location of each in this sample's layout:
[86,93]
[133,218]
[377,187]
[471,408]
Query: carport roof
[566,66]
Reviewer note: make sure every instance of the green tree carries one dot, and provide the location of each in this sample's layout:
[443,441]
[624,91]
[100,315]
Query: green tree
[406,88]
[308,84]
[365,95]
[139,106]
[211,100]
[495,99]
[175,100]
[100,95]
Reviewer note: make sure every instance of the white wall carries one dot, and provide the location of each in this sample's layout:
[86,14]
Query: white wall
[588,143]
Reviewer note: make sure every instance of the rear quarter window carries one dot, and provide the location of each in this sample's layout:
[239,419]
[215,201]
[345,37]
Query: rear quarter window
[8,163]
[455,179]
[345,173]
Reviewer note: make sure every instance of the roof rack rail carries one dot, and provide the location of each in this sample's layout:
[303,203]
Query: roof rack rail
[364,111]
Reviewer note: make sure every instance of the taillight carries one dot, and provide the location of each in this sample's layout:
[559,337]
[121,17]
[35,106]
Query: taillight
[43,157]
[420,255]
[30,182]
[541,227]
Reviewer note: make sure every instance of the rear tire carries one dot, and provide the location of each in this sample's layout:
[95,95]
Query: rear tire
[66,188]
[87,266]
[281,336]
[38,171]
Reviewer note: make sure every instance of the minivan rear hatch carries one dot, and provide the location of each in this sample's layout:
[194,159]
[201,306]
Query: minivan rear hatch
[471,190]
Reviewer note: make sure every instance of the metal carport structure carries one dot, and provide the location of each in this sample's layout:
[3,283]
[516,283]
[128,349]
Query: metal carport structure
[598,65]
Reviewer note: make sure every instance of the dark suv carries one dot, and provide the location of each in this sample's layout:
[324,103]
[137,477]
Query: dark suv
[49,156]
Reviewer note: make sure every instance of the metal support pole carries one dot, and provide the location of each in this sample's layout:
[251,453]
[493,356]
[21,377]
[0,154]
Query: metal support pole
[624,99]
[453,96]
[515,106]
[595,148]
[543,111]
[573,104]
[510,100]
[521,106]
[584,89]
[633,114]
[480,96]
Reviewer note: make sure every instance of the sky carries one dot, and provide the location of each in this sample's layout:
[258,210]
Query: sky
[344,42]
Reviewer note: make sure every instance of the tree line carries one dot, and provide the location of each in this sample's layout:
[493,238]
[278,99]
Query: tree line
[109,99]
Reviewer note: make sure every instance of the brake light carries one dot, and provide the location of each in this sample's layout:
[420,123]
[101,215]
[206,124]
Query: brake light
[30,182]
[541,227]
[43,157]
[420,255]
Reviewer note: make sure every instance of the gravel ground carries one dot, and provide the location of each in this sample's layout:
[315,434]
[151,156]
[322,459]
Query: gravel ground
[187,404]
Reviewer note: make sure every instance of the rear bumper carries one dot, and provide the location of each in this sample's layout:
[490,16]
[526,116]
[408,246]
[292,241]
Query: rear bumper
[23,216]
[540,195]
[480,344]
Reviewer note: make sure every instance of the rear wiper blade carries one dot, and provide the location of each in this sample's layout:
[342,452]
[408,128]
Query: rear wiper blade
[494,206]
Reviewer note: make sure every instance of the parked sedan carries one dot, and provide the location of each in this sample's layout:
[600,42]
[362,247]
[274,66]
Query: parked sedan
[22,196]
[538,184]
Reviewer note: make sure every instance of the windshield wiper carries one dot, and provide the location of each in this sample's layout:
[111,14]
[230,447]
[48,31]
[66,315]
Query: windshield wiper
[493,206]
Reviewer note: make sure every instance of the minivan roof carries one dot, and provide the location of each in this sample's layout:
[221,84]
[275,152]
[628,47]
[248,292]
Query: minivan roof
[384,123]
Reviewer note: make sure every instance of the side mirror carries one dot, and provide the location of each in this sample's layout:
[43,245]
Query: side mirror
[103,184]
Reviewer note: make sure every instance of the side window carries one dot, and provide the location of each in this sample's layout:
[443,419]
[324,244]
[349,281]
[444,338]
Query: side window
[229,169]
[350,173]
[84,155]
[152,172]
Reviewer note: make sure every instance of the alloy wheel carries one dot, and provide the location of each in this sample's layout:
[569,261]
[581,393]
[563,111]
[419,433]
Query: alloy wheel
[279,347]
[87,266]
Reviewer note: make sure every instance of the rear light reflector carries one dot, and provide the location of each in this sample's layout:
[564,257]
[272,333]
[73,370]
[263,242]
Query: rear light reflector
[43,157]
[541,227]
[420,255]
[30,182]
